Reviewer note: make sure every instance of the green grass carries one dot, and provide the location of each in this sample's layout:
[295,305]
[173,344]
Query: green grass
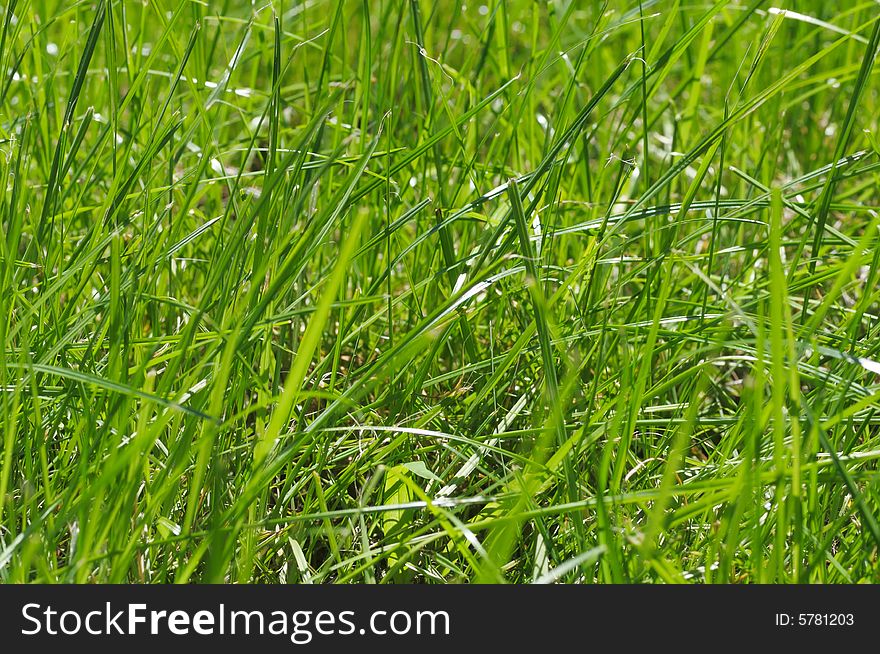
[379,291]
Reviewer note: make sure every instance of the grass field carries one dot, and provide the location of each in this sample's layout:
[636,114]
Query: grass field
[391,291]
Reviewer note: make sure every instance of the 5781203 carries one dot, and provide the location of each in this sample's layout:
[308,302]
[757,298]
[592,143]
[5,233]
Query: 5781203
[815,619]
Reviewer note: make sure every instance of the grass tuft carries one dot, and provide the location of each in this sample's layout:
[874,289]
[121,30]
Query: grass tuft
[385,292]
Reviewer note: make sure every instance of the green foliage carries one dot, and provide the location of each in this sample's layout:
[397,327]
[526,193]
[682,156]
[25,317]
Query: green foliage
[380,291]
